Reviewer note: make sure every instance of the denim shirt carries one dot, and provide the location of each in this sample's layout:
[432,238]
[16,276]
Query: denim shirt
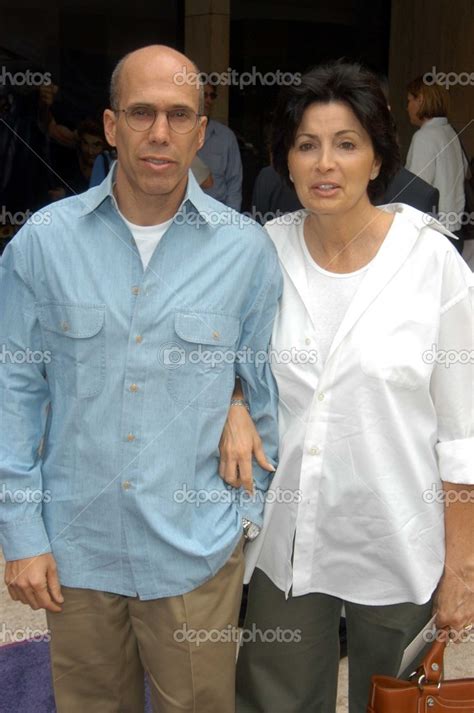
[115,384]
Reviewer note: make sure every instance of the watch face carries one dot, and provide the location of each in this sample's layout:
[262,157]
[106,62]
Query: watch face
[251,531]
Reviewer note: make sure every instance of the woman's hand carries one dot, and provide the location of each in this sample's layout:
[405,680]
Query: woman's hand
[239,441]
[454,604]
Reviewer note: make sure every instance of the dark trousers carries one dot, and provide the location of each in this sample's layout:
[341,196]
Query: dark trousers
[289,660]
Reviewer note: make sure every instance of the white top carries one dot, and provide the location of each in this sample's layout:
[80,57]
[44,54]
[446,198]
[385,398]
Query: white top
[435,155]
[147,237]
[330,296]
[365,444]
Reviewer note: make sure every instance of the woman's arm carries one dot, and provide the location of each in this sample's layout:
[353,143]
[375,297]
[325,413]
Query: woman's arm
[239,442]
[452,390]
[454,601]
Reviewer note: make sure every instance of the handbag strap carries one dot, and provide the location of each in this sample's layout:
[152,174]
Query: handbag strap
[432,665]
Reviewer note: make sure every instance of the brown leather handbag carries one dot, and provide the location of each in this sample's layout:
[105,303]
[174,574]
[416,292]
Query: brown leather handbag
[425,692]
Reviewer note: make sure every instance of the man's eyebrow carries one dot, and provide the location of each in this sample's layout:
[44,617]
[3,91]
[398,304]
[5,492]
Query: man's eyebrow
[149,105]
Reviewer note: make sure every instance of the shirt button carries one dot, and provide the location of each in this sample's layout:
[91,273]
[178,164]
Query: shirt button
[126,485]
[321,396]
[130,437]
[139,339]
[315,451]
[307,340]
[65,326]
[215,336]
[133,388]
[135,290]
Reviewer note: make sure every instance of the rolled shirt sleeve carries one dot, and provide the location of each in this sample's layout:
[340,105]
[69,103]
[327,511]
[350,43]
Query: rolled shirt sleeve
[24,398]
[453,375]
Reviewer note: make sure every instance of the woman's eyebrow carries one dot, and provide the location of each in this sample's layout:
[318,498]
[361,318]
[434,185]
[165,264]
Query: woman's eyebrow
[338,133]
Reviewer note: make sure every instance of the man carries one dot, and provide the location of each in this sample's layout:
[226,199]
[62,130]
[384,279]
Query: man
[123,317]
[221,153]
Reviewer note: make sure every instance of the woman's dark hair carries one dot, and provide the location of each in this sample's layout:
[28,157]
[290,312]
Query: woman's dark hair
[360,90]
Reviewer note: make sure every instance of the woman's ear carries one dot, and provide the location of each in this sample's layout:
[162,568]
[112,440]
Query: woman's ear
[376,166]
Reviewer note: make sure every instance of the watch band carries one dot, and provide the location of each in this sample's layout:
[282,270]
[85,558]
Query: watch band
[239,402]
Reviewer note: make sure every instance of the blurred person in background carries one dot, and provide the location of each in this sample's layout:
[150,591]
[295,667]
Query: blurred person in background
[435,152]
[89,143]
[221,154]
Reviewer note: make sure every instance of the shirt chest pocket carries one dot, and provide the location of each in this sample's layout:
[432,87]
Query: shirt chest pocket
[75,336]
[200,361]
[399,357]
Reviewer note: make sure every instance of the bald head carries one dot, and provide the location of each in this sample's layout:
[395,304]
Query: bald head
[165,58]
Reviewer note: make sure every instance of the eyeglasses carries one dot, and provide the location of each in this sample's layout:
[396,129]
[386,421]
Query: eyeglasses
[142,118]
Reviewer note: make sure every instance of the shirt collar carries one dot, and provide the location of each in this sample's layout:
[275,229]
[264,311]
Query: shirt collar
[194,199]
[417,217]
[436,121]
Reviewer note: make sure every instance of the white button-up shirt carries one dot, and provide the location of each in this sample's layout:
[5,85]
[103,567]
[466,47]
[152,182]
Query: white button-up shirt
[367,438]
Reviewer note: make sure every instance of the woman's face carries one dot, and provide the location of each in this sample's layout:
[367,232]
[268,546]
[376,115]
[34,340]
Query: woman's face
[332,159]
[413,107]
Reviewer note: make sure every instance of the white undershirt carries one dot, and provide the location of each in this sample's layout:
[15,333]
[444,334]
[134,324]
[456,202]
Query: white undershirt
[331,294]
[147,237]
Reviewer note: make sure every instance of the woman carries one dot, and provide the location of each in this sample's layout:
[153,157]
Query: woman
[435,152]
[372,422]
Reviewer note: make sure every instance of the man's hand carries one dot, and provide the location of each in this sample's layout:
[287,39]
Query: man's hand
[239,441]
[35,581]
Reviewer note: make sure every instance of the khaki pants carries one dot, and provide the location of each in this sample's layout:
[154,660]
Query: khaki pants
[299,673]
[101,644]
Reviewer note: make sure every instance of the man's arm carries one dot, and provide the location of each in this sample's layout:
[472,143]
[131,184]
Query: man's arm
[24,394]
[233,174]
[258,385]
[47,123]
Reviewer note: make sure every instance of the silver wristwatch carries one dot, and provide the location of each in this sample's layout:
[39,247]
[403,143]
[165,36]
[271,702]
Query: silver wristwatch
[251,530]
